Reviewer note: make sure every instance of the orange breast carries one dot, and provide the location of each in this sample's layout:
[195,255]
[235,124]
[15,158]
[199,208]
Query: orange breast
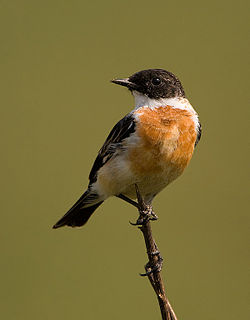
[167,138]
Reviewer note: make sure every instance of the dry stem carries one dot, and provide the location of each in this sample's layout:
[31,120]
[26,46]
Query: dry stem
[153,267]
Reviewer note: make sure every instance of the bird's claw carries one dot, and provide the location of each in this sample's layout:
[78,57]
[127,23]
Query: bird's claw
[145,216]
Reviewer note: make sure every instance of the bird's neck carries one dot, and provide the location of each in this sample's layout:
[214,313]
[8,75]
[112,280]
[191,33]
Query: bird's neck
[142,100]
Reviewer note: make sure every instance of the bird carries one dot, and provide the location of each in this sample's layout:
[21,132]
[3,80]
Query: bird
[150,147]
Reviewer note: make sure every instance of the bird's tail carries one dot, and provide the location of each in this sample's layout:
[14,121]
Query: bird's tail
[81,211]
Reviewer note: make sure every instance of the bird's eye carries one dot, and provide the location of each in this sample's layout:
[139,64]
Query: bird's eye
[156,81]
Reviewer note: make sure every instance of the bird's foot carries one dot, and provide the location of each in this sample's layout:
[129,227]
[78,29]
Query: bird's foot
[146,214]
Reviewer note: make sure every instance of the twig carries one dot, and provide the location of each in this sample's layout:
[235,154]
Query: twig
[153,267]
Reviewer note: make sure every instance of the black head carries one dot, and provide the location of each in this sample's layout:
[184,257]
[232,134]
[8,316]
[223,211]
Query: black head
[155,83]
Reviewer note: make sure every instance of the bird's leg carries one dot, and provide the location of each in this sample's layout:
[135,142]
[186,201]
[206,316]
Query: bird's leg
[134,203]
[145,210]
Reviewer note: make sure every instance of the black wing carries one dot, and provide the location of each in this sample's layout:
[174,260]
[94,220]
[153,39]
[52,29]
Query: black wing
[199,131]
[121,130]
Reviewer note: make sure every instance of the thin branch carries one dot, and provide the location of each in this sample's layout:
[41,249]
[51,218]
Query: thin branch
[154,265]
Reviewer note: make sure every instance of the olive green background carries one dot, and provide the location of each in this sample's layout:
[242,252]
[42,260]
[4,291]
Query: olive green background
[57,106]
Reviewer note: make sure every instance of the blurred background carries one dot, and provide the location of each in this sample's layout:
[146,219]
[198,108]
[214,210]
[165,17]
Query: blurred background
[57,107]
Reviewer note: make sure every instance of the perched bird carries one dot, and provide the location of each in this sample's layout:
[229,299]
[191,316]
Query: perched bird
[149,147]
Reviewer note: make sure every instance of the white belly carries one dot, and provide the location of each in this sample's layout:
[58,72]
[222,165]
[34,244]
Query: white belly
[117,177]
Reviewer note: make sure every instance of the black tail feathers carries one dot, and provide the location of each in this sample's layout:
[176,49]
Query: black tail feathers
[78,215]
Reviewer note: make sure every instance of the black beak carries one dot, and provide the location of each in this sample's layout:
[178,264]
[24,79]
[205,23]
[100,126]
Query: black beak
[125,83]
